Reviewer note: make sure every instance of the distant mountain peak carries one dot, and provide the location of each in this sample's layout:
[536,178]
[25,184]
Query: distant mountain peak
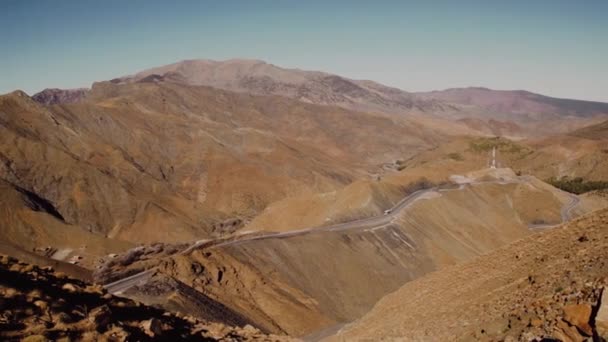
[19,93]
[51,96]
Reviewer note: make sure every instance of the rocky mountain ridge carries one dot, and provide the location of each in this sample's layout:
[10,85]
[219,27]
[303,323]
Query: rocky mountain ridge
[510,113]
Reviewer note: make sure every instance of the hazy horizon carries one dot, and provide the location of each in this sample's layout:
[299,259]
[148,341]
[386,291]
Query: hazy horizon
[554,48]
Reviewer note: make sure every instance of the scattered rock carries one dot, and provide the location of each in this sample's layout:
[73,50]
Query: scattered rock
[101,316]
[41,304]
[35,338]
[63,317]
[4,260]
[567,333]
[36,310]
[579,316]
[536,323]
[34,294]
[94,289]
[152,327]
[117,334]
[70,287]
[10,293]
[60,275]
[250,329]
[601,319]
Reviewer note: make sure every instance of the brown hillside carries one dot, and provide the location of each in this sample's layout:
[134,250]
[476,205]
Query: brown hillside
[305,282]
[556,156]
[593,132]
[519,292]
[148,162]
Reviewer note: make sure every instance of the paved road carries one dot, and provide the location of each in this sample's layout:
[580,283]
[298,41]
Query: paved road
[124,284]
[369,222]
[366,223]
[567,209]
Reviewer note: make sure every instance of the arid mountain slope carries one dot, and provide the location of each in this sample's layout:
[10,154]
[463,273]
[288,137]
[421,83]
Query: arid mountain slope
[593,132]
[88,180]
[517,114]
[581,153]
[564,155]
[532,288]
[58,96]
[364,198]
[309,281]
[33,231]
[178,159]
[150,162]
[517,102]
[569,156]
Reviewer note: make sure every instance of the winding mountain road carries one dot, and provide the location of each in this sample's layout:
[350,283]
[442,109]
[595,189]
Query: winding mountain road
[565,213]
[365,223]
[566,210]
[124,284]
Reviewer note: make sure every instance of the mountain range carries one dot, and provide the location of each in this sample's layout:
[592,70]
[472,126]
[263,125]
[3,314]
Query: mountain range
[511,113]
[295,202]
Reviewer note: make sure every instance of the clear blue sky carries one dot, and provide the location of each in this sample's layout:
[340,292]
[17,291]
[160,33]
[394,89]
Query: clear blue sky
[554,47]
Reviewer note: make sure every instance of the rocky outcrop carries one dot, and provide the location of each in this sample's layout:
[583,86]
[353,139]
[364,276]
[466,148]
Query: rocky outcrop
[601,317]
[38,304]
[579,315]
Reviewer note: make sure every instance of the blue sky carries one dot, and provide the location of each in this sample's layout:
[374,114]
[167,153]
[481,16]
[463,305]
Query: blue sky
[554,47]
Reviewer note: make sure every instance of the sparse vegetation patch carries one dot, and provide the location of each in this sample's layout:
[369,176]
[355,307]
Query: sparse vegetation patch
[456,156]
[577,185]
[482,145]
